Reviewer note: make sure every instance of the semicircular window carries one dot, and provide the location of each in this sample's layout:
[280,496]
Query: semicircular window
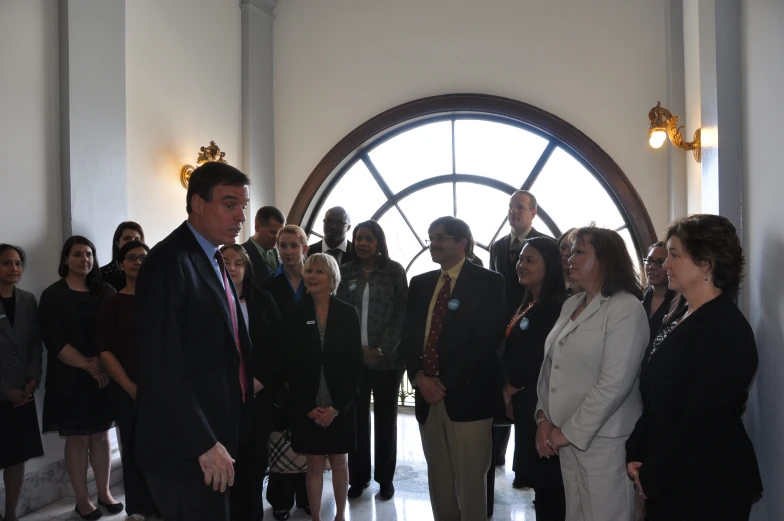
[466,166]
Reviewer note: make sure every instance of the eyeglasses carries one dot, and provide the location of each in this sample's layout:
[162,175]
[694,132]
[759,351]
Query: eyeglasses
[134,258]
[438,239]
[650,260]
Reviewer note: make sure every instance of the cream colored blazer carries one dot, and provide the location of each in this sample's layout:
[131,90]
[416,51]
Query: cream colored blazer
[589,381]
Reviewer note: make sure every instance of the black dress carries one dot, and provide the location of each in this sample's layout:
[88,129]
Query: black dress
[20,439]
[523,359]
[697,460]
[655,320]
[340,359]
[73,404]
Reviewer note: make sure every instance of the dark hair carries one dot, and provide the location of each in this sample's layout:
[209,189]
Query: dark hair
[616,267]
[712,239]
[553,284]
[659,244]
[247,282]
[209,175]
[5,247]
[127,225]
[381,239]
[458,229]
[266,213]
[94,280]
[128,246]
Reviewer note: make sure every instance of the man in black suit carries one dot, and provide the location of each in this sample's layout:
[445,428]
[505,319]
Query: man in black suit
[337,223]
[195,389]
[454,324]
[261,247]
[504,254]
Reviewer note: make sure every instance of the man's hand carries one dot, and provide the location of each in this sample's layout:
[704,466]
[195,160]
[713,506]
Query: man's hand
[31,386]
[431,387]
[16,397]
[218,468]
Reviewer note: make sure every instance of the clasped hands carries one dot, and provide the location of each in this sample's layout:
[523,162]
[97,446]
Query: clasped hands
[20,397]
[323,416]
[96,369]
[549,439]
[433,391]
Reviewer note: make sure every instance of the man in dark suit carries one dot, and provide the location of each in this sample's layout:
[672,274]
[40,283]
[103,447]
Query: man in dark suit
[195,389]
[337,223]
[504,254]
[454,324]
[261,247]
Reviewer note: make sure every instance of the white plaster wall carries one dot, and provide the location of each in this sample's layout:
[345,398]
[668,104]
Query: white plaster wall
[599,65]
[762,26]
[693,117]
[30,134]
[183,90]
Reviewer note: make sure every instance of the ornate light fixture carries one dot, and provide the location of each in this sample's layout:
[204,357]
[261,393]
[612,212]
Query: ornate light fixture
[206,155]
[664,124]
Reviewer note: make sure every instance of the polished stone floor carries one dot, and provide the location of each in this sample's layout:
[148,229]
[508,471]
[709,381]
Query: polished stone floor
[411,501]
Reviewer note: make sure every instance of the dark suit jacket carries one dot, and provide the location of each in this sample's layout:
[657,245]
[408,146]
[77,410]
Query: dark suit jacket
[189,394]
[341,356]
[467,345]
[499,261]
[265,327]
[21,351]
[690,438]
[348,256]
[280,289]
[261,270]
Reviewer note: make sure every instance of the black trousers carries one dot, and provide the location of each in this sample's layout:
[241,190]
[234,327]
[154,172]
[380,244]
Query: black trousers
[385,386]
[282,489]
[501,435]
[550,504]
[188,499]
[247,502]
[138,499]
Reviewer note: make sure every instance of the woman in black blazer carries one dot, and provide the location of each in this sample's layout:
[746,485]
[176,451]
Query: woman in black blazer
[20,372]
[689,453]
[324,364]
[539,270]
[286,284]
[76,403]
[264,322]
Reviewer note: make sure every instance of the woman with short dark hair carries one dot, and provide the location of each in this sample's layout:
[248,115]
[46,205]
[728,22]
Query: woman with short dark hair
[76,403]
[118,351]
[126,232]
[20,373]
[689,453]
[377,286]
[587,388]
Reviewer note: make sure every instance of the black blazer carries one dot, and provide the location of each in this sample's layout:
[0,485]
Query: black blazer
[690,438]
[341,356]
[261,270]
[348,256]
[189,394]
[467,345]
[499,261]
[264,324]
[280,289]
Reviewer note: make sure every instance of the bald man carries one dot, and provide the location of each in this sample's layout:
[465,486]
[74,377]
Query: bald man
[337,223]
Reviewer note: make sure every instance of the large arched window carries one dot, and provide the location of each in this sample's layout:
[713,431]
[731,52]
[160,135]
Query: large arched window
[463,155]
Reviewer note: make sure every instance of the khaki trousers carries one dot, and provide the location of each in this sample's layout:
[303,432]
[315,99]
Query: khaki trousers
[458,456]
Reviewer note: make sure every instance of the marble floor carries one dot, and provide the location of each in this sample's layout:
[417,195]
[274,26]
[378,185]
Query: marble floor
[411,501]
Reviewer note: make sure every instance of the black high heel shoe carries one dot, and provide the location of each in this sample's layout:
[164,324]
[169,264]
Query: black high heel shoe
[92,516]
[112,508]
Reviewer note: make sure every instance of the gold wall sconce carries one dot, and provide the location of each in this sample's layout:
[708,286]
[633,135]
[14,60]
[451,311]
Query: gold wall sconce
[664,124]
[206,155]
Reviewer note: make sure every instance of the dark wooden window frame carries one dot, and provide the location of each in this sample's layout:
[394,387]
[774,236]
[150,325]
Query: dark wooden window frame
[355,146]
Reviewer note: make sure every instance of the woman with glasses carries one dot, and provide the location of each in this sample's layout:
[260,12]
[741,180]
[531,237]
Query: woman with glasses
[20,372]
[377,287]
[77,403]
[126,232]
[658,296]
[116,335]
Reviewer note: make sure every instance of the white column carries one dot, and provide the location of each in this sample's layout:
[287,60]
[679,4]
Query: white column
[92,119]
[677,189]
[258,145]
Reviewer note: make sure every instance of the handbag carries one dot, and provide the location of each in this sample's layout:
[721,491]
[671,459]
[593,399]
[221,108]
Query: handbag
[282,458]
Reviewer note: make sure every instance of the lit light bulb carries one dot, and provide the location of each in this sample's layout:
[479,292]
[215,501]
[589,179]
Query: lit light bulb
[657,138]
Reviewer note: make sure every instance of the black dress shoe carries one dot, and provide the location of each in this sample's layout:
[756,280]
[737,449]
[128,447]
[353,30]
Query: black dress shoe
[92,516]
[354,491]
[387,491]
[112,508]
[281,515]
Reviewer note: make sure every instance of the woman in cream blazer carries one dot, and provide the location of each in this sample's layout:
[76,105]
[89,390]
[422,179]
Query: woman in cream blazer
[588,384]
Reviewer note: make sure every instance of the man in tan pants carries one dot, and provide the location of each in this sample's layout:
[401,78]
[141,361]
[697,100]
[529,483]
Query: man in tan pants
[454,324]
